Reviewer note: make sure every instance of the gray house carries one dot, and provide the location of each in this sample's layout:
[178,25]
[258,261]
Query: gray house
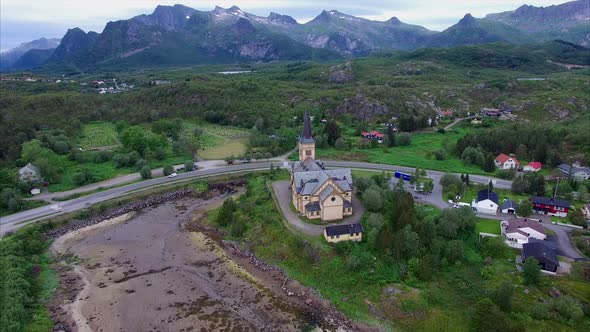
[29,173]
[543,253]
[575,171]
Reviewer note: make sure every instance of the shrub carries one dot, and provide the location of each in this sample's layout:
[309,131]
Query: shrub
[79,178]
[168,169]
[403,139]
[503,296]
[189,165]
[103,156]
[340,144]
[440,154]
[531,271]
[146,172]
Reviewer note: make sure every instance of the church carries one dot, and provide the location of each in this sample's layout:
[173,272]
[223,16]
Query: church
[318,193]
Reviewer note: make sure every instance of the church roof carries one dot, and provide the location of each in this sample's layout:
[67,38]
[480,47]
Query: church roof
[306,136]
[307,165]
[307,183]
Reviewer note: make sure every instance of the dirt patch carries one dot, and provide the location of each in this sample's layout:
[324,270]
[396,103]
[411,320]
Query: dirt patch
[159,268]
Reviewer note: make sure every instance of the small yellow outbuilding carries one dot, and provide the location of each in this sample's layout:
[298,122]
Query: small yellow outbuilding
[350,232]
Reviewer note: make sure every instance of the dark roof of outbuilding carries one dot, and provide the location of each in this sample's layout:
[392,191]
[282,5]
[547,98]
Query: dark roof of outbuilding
[343,229]
[482,195]
[508,204]
[540,251]
[550,201]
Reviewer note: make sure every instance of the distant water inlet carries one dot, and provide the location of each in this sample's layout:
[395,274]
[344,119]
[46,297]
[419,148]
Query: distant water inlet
[234,72]
[531,79]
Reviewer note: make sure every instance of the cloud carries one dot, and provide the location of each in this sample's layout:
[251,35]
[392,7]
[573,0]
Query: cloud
[24,20]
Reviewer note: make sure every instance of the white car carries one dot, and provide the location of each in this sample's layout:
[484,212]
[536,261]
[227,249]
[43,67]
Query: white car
[173,175]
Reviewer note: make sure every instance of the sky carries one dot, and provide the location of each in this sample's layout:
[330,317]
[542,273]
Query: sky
[26,20]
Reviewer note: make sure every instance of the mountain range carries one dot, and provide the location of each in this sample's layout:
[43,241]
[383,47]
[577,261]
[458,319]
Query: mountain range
[9,58]
[179,35]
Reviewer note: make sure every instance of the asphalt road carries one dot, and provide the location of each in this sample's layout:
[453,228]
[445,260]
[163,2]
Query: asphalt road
[17,220]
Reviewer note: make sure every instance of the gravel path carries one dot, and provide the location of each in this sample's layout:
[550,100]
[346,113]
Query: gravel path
[281,190]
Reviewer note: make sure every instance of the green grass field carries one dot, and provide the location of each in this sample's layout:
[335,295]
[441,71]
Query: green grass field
[471,193]
[417,154]
[219,142]
[487,226]
[98,134]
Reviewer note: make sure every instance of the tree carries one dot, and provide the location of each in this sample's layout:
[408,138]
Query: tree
[146,172]
[521,152]
[372,198]
[525,209]
[390,137]
[333,131]
[489,164]
[428,186]
[577,218]
[168,169]
[449,179]
[473,156]
[189,165]
[226,213]
[454,251]
[190,145]
[531,271]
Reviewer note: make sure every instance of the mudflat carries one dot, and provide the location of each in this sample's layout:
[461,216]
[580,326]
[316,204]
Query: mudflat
[145,272]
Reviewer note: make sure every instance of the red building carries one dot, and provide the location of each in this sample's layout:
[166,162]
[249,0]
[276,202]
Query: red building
[550,206]
[373,135]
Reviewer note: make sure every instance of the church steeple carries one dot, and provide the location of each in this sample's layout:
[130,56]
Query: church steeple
[306,133]
[306,141]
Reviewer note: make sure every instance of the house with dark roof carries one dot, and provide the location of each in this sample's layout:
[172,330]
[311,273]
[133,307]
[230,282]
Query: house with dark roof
[486,202]
[550,206]
[503,161]
[575,171]
[546,256]
[318,193]
[339,233]
[519,231]
[508,206]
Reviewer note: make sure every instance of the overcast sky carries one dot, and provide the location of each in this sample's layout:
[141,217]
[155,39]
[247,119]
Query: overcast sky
[26,20]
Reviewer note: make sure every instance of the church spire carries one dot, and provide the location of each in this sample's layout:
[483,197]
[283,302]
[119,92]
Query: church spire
[306,141]
[306,136]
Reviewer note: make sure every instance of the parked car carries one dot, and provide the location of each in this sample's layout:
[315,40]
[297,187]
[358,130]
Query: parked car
[173,175]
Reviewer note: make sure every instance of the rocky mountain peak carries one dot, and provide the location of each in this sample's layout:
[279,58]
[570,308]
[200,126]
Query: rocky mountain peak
[394,21]
[281,18]
[467,20]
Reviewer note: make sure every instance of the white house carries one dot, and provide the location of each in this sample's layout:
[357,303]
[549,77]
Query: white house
[486,202]
[29,173]
[519,231]
[506,162]
[534,166]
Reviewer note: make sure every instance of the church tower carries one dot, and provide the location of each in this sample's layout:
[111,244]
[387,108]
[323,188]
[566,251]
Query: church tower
[306,141]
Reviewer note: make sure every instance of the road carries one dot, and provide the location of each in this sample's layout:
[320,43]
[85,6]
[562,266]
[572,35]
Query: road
[211,168]
[17,220]
[283,195]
